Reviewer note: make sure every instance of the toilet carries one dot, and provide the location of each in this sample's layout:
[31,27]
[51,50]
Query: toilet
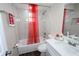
[42,48]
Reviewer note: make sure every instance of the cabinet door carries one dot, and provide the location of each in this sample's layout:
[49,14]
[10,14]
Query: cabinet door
[52,51]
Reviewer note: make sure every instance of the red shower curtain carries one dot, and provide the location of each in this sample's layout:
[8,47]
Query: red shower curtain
[33,33]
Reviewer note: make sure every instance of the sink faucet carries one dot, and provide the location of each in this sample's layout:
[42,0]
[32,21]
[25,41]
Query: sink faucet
[67,34]
[73,44]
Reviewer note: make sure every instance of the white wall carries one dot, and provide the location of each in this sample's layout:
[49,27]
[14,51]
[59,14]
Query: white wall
[10,32]
[55,19]
[3,44]
[42,20]
[22,24]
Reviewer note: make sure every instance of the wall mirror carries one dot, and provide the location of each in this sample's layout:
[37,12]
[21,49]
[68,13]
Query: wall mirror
[71,20]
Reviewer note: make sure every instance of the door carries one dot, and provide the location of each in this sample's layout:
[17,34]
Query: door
[3,46]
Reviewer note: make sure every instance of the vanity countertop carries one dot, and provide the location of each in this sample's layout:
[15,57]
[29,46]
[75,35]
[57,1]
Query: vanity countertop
[63,48]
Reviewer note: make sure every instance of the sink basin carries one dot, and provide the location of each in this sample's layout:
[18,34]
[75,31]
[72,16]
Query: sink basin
[71,41]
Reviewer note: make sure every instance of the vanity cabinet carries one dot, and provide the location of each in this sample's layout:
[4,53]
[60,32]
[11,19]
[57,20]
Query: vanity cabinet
[60,48]
[51,51]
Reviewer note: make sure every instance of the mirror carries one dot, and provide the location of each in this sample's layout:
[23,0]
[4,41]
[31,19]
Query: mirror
[71,20]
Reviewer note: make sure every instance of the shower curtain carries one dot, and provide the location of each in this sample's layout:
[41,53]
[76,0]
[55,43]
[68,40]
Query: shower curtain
[33,32]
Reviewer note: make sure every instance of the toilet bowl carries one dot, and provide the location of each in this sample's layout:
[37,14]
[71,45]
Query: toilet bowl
[42,49]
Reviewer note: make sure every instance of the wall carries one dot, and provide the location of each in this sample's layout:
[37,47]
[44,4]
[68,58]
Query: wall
[3,45]
[42,19]
[22,24]
[10,32]
[55,19]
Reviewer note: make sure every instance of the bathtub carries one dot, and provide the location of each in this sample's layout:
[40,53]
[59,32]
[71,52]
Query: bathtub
[23,47]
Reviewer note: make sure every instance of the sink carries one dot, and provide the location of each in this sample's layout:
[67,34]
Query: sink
[72,41]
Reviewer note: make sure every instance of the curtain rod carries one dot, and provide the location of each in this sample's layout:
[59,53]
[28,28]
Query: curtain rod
[37,5]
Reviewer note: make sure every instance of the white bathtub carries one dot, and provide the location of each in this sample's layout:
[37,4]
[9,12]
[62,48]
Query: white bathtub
[23,47]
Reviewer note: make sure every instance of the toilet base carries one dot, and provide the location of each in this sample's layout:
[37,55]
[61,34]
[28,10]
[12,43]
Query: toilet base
[43,53]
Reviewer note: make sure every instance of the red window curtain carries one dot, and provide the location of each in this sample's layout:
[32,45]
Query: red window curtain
[33,32]
[11,19]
